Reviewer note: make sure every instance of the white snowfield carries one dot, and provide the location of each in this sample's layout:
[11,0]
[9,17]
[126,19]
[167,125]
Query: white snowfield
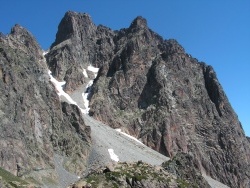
[93,69]
[85,97]
[120,131]
[113,156]
[59,89]
[85,73]
[44,53]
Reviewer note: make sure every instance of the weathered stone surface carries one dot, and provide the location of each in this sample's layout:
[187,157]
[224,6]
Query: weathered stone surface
[77,42]
[142,175]
[34,125]
[172,103]
[157,92]
[183,167]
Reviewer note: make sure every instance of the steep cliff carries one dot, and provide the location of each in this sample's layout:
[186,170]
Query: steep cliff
[79,43]
[155,91]
[34,124]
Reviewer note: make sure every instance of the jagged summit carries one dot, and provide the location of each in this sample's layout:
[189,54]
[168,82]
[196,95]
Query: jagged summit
[155,91]
[139,23]
[21,39]
[74,24]
[21,33]
[19,30]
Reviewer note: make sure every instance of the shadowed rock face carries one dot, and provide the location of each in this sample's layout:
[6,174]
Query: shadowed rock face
[77,42]
[157,92]
[34,124]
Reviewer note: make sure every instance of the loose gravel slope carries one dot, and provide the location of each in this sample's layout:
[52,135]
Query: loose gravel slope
[127,149]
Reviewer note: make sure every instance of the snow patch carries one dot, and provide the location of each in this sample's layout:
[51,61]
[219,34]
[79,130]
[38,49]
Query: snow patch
[113,156]
[133,138]
[93,69]
[85,97]
[59,88]
[88,88]
[85,73]
[60,92]
[45,52]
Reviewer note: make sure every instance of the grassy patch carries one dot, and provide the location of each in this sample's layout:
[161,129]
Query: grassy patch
[183,183]
[11,179]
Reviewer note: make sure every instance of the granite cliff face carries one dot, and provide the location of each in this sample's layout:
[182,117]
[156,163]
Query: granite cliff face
[34,124]
[155,91]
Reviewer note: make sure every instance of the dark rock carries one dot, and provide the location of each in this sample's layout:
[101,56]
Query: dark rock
[34,125]
[138,24]
[74,25]
[172,103]
[148,86]
[77,42]
[183,167]
[155,91]
[248,138]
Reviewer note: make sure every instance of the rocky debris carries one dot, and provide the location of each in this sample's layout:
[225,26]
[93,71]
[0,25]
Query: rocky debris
[105,139]
[34,125]
[183,167]
[143,175]
[155,91]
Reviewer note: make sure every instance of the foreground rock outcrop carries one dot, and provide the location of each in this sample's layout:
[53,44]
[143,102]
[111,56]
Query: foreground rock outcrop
[171,174]
[155,91]
[34,124]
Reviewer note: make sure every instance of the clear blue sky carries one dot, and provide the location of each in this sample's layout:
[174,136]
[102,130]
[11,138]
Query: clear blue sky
[216,32]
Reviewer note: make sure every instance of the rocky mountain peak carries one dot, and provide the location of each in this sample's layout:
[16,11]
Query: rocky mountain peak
[20,38]
[74,24]
[139,23]
[19,30]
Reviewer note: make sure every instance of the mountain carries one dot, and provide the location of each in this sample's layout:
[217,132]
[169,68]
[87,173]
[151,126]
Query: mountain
[152,89]
[34,124]
[132,80]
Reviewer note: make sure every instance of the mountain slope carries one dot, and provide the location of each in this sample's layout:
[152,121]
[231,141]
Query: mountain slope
[34,124]
[155,91]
